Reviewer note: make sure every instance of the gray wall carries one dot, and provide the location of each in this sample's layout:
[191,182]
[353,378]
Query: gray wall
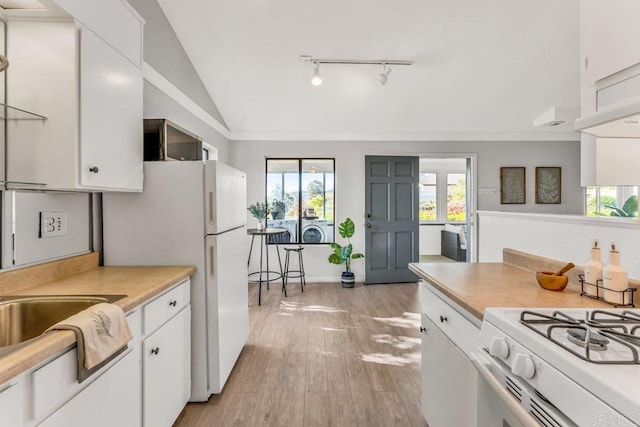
[249,156]
[159,105]
[29,248]
[163,52]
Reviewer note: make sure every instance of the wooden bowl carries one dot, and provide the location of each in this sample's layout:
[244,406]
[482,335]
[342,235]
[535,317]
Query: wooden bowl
[550,282]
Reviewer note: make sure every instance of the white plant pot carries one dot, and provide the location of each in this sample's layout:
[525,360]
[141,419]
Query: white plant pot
[260,226]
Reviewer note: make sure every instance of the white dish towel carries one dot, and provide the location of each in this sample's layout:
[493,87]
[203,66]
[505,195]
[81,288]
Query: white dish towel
[102,332]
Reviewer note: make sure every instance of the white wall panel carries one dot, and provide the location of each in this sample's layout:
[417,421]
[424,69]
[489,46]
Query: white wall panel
[562,237]
[29,248]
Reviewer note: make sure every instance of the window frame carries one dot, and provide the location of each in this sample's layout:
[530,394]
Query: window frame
[442,198]
[300,161]
[620,190]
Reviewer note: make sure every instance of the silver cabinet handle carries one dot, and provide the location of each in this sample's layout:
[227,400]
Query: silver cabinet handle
[211,216]
[368,225]
[212,265]
[155,350]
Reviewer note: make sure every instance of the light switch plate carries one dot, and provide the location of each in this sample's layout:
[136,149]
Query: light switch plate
[53,224]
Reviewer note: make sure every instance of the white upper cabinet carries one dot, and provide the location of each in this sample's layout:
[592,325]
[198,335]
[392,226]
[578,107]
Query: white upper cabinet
[88,84]
[609,32]
[114,21]
[111,153]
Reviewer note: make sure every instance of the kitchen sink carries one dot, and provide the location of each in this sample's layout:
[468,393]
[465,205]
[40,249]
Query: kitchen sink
[24,318]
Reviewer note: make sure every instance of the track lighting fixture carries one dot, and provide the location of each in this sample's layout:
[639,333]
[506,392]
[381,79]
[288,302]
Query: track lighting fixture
[384,75]
[316,80]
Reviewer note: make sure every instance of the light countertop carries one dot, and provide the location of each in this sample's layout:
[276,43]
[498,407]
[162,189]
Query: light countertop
[80,276]
[477,286]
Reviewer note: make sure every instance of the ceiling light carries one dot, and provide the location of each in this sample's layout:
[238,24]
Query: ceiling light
[384,75]
[316,80]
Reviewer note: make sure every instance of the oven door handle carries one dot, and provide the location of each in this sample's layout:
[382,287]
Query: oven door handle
[516,409]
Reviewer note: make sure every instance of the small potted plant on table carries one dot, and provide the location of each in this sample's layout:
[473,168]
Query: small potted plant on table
[344,254]
[260,211]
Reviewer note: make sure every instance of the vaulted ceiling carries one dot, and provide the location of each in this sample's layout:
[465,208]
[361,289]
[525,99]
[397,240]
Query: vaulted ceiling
[482,69]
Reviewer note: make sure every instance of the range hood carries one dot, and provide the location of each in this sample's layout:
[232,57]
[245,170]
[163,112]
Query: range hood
[617,101]
[618,121]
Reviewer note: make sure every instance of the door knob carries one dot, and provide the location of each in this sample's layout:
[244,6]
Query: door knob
[367,215]
[367,225]
[94,169]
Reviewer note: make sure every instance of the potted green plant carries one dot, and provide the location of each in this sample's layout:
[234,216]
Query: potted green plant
[260,211]
[344,254]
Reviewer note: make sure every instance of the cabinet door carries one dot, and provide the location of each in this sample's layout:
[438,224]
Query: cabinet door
[111,135]
[610,34]
[111,400]
[449,381]
[11,405]
[167,371]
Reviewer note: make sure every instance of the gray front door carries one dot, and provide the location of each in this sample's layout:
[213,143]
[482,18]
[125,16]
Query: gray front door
[391,218]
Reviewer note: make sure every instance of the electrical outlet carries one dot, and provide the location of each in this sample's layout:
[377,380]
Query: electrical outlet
[53,224]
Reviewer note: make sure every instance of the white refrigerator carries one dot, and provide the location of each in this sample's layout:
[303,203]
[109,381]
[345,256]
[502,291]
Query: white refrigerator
[191,213]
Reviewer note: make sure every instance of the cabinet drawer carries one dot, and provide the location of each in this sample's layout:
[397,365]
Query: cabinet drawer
[57,381]
[167,305]
[456,327]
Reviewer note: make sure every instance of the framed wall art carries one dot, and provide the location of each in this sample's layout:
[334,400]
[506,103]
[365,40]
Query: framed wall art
[512,185]
[548,185]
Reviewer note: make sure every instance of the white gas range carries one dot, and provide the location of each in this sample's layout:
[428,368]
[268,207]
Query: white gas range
[536,369]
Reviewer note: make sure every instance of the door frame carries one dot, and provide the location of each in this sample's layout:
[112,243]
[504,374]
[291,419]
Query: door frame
[472,194]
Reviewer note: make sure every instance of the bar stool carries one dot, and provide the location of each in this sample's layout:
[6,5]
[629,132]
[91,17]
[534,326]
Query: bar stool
[287,274]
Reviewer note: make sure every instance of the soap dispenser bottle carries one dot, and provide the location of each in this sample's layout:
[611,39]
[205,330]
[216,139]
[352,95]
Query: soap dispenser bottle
[615,278]
[593,272]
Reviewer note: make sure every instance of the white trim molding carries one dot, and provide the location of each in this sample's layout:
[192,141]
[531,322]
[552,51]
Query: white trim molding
[159,81]
[405,136]
[597,221]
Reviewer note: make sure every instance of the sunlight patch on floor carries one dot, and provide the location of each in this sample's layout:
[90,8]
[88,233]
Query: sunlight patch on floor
[293,306]
[324,328]
[391,359]
[407,320]
[403,343]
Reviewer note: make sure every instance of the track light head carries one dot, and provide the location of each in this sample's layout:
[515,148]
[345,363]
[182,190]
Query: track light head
[316,80]
[384,75]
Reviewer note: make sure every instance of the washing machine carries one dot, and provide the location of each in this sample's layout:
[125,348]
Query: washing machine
[314,230]
[291,225]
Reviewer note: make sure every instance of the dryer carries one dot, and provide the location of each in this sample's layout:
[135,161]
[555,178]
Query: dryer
[314,230]
[291,225]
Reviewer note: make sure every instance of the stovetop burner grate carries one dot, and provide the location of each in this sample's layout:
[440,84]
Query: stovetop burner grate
[598,331]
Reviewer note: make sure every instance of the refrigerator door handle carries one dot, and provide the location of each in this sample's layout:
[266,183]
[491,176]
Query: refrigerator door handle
[212,262]
[211,213]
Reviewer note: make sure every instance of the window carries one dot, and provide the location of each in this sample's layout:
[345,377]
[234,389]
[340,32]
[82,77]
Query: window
[443,196]
[620,201]
[456,197]
[301,193]
[428,197]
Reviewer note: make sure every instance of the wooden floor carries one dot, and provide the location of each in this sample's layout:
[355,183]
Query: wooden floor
[325,357]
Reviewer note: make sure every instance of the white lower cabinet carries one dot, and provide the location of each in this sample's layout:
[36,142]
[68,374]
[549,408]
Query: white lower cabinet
[449,379]
[166,365]
[111,400]
[148,384]
[11,405]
